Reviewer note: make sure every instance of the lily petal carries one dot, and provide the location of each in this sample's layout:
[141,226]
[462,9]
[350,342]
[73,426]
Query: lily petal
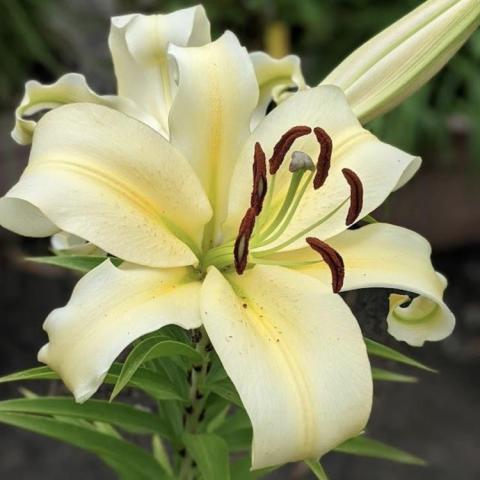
[274,76]
[210,117]
[110,308]
[398,61]
[70,88]
[64,243]
[380,167]
[296,356]
[113,181]
[139,43]
[386,256]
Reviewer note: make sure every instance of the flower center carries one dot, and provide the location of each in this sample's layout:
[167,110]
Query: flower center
[264,223]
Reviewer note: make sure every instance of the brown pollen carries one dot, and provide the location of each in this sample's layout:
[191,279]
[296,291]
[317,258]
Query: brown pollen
[332,258]
[283,146]
[259,179]
[240,250]
[356,195]
[324,157]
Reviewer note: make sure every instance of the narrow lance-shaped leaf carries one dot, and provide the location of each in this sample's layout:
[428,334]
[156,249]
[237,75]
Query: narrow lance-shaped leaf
[367,447]
[123,415]
[210,453]
[317,469]
[382,375]
[80,263]
[105,446]
[153,383]
[379,350]
[150,349]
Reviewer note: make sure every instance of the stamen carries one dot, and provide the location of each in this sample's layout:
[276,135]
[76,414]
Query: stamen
[356,195]
[332,258]
[283,146]
[300,161]
[324,157]
[259,179]
[240,250]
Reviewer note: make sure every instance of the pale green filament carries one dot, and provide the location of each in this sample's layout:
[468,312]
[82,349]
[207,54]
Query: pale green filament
[292,190]
[303,233]
[282,225]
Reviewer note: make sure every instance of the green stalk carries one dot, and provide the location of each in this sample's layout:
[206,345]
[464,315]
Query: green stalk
[193,416]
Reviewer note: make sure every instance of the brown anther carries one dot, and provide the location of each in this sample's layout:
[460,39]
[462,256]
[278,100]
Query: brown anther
[283,146]
[324,157]
[259,179]
[356,195]
[332,258]
[240,250]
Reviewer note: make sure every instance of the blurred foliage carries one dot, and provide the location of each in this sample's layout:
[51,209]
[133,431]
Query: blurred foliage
[26,47]
[322,32]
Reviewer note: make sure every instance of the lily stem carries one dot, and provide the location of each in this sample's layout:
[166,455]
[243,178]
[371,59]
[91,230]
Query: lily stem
[196,409]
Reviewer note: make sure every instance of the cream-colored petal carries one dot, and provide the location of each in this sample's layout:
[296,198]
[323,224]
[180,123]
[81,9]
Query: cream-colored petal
[398,61]
[210,116]
[274,76]
[381,167]
[382,255]
[296,356]
[110,308]
[139,44]
[70,88]
[64,243]
[113,181]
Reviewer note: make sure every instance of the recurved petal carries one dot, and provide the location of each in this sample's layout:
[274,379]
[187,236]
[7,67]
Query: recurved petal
[113,181]
[296,356]
[274,77]
[110,308]
[381,167]
[210,117]
[139,43]
[386,256]
[70,88]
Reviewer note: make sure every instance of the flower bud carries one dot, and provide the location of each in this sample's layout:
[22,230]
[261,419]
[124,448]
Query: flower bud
[398,61]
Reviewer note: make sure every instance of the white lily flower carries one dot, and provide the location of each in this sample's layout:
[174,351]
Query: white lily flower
[398,61]
[206,241]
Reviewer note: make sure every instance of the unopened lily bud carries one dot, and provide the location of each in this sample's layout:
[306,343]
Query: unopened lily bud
[301,161]
[398,61]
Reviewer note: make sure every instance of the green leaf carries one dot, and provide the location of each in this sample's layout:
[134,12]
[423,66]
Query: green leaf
[125,416]
[161,455]
[317,469]
[120,452]
[80,263]
[380,374]
[36,373]
[379,350]
[154,384]
[225,389]
[147,350]
[240,470]
[210,453]
[367,447]
[237,431]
